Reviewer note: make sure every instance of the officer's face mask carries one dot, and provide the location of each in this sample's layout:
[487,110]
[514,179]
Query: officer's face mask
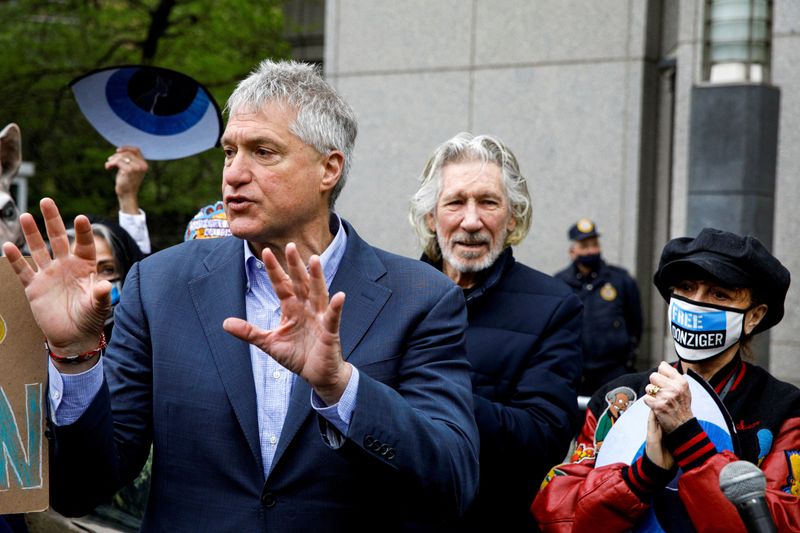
[116,291]
[591,261]
[702,331]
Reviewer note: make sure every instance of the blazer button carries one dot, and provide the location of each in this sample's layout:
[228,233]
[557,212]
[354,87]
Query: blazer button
[383,450]
[268,499]
[390,454]
[368,440]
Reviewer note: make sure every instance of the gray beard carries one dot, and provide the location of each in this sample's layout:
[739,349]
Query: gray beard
[458,262]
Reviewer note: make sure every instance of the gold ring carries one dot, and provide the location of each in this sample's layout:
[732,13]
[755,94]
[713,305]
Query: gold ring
[127,160]
[653,390]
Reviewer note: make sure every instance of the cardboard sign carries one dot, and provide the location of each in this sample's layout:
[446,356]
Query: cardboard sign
[23,393]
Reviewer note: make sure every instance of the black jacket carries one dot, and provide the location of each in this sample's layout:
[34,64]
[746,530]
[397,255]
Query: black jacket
[523,342]
[612,315]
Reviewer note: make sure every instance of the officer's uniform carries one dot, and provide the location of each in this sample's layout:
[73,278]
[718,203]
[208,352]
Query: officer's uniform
[612,316]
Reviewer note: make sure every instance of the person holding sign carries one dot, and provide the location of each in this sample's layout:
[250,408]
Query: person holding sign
[320,411]
[722,289]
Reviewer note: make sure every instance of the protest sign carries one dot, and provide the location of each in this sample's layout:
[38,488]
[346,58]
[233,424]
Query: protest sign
[23,389]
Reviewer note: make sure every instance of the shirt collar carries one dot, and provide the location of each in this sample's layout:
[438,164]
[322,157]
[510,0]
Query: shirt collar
[329,258]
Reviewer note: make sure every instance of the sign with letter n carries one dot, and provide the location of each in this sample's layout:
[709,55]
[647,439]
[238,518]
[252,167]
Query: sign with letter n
[23,393]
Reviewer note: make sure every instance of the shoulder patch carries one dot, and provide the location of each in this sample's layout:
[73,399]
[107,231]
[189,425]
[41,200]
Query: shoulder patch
[555,471]
[764,443]
[793,479]
[583,452]
[618,400]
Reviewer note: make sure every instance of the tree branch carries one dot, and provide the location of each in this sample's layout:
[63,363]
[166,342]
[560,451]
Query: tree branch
[159,22]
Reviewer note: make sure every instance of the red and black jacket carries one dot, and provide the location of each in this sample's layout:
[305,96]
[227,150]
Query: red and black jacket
[766,412]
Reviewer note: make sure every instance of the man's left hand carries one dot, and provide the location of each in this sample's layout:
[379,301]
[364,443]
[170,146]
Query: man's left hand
[306,341]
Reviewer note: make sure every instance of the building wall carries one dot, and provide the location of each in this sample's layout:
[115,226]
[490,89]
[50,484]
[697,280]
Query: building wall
[577,89]
[785,338]
[418,72]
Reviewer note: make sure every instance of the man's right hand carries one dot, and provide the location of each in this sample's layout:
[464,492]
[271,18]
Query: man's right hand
[68,302]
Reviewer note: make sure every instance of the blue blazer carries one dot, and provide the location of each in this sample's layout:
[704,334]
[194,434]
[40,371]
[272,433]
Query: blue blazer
[173,376]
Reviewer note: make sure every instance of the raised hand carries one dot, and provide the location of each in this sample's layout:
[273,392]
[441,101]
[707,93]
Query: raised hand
[67,301]
[669,397]
[131,167]
[307,339]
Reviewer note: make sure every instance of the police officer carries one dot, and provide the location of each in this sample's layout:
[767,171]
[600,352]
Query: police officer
[612,312]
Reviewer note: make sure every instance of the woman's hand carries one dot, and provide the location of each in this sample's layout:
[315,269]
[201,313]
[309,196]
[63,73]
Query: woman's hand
[669,398]
[131,167]
[654,447]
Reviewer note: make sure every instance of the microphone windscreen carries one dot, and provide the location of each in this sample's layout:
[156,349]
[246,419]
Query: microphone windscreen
[741,481]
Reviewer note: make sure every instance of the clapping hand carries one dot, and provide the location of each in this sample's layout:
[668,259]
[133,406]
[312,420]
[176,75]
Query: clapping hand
[654,446]
[669,397]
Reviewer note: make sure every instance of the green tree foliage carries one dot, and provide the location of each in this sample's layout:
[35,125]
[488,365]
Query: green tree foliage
[46,44]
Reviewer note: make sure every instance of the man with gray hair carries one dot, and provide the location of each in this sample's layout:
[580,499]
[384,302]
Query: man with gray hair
[271,405]
[523,334]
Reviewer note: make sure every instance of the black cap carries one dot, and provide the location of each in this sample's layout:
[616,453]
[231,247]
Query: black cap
[734,261]
[582,229]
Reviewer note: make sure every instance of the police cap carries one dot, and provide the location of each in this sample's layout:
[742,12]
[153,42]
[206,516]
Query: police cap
[582,229]
[734,261]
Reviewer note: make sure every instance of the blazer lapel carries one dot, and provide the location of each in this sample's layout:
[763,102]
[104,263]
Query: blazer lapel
[217,295]
[364,300]
[356,277]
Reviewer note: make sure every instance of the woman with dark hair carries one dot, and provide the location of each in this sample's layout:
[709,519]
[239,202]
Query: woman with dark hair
[722,289]
[116,254]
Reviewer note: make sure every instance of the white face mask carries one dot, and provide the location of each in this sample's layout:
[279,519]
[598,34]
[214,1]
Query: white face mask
[702,331]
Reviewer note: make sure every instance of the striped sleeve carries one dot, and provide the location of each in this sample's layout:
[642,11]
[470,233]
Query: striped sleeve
[644,477]
[690,445]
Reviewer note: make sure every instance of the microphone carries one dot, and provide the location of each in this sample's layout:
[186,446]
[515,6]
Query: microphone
[745,486]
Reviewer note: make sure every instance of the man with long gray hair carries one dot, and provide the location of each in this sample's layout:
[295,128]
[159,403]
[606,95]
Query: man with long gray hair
[272,404]
[523,334]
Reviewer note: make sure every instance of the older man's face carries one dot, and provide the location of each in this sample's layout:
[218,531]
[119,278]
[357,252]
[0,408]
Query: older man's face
[472,219]
[273,184]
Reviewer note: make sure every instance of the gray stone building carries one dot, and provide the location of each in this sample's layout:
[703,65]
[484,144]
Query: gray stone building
[640,114]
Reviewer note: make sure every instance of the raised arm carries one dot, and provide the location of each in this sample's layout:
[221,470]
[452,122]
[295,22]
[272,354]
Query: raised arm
[131,167]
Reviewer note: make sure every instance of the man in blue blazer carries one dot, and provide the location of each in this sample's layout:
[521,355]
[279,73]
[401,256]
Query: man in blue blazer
[313,413]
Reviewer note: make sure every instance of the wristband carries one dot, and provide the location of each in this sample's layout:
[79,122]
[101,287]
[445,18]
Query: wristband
[79,358]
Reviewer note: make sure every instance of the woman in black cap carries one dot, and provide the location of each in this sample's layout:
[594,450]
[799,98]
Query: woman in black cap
[722,289]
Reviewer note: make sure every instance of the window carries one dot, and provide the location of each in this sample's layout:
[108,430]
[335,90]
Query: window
[738,34]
